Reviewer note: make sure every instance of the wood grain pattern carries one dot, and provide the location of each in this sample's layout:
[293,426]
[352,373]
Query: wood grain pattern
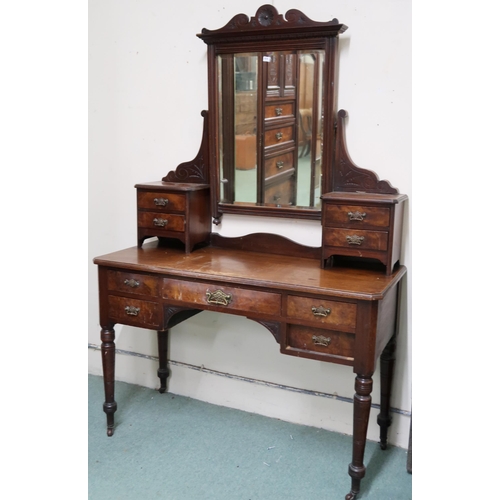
[246,301]
[306,338]
[133,283]
[340,315]
[256,269]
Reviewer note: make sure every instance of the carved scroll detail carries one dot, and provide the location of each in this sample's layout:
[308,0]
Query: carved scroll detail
[268,18]
[196,170]
[350,177]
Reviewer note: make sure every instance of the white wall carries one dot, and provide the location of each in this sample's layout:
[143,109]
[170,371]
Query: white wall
[147,87]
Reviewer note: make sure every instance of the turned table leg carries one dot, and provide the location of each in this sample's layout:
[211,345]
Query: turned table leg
[384,419]
[108,369]
[163,371]
[362,404]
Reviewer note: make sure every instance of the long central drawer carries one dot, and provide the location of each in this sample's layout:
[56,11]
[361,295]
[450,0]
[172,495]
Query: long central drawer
[222,297]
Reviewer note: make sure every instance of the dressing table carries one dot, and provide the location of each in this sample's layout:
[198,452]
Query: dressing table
[273,145]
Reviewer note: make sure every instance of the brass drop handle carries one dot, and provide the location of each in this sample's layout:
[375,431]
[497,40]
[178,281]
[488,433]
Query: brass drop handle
[280,164]
[354,239]
[321,340]
[279,136]
[356,215]
[277,197]
[160,222]
[132,311]
[279,111]
[160,202]
[321,311]
[132,283]
[218,297]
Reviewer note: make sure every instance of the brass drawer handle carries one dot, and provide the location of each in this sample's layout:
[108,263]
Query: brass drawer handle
[320,311]
[279,136]
[355,240]
[132,311]
[279,111]
[320,340]
[280,164]
[160,202]
[132,283]
[160,222]
[218,297]
[277,197]
[356,215]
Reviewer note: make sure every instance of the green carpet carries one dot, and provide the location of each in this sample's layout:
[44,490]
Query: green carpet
[176,448]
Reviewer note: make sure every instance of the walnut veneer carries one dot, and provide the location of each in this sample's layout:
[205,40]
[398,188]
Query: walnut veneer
[330,303]
[173,210]
[338,315]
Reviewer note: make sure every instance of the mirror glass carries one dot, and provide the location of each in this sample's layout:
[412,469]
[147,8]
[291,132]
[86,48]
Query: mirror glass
[271,128]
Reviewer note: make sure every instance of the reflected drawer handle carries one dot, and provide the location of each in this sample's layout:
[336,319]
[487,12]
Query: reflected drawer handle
[320,311]
[132,311]
[160,202]
[355,240]
[132,283]
[280,164]
[320,340]
[279,136]
[356,215]
[279,111]
[160,222]
[277,197]
[218,297]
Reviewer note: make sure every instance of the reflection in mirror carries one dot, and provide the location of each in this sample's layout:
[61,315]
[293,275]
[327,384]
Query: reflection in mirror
[270,128]
[310,126]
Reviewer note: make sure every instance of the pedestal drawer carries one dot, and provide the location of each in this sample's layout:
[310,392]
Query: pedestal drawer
[357,215]
[321,341]
[357,239]
[223,297]
[339,315]
[134,312]
[161,222]
[151,200]
[134,283]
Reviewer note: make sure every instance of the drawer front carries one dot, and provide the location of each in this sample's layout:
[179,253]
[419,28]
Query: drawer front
[357,216]
[280,194]
[223,297]
[150,200]
[321,341]
[279,110]
[278,164]
[356,239]
[134,312]
[134,283]
[339,315]
[161,222]
[278,136]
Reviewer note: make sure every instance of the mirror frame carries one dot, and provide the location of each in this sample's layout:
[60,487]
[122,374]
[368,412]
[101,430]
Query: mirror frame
[270,31]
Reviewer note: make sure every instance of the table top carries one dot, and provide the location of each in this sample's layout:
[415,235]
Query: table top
[248,268]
